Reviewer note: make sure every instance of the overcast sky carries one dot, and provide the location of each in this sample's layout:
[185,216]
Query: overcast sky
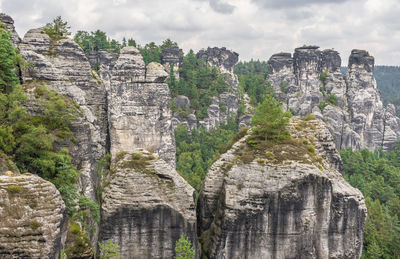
[253,28]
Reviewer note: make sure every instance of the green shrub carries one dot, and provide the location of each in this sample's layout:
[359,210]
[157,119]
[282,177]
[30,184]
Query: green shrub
[108,250]
[58,29]
[308,117]
[269,122]
[184,249]
[322,105]
[14,189]
[332,99]
[35,225]
[323,76]
[284,87]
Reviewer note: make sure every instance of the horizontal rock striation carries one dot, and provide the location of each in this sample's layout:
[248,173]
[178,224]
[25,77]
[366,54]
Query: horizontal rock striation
[33,220]
[62,66]
[146,206]
[140,107]
[311,82]
[292,208]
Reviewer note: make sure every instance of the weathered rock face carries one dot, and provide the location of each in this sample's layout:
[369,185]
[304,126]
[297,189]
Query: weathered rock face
[146,206]
[33,219]
[281,209]
[222,58]
[140,107]
[9,22]
[62,66]
[103,61]
[224,106]
[309,81]
[172,56]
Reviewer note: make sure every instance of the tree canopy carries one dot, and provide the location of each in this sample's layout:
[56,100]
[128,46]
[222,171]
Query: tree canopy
[58,29]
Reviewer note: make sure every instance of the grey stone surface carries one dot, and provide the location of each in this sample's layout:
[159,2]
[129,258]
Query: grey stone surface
[292,209]
[140,107]
[62,66]
[146,206]
[9,22]
[358,119]
[33,220]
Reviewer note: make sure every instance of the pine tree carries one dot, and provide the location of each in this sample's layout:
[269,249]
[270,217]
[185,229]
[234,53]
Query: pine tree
[184,249]
[269,122]
[58,29]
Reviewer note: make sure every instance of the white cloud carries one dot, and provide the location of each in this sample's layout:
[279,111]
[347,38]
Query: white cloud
[253,28]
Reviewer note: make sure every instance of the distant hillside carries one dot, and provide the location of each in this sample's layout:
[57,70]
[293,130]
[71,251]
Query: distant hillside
[388,81]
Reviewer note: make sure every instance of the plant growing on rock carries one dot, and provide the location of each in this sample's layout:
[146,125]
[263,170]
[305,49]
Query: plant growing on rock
[58,29]
[184,249]
[269,122]
[108,250]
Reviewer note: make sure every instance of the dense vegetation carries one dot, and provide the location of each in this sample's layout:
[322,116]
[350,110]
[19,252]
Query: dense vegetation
[252,77]
[377,175]
[199,82]
[198,149]
[269,122]
[184,249]
[98,40]
[34,142]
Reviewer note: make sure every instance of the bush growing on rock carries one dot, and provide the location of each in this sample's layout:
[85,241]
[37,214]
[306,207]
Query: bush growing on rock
[58,29]
[269,122]
[184,249]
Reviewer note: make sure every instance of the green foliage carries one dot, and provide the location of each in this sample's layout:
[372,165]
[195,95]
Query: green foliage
[251,67]
[308,117]
[269,122]
[377,175]
[197,150]
[32,139]
[332,99]
[254,86]
[322,105]
[14,189]
[108,250]
[323,76]
[151,52]
[97,40]
[58,29]
[77,243]
[9,58]
[199,82]
[284,87]
[184,249]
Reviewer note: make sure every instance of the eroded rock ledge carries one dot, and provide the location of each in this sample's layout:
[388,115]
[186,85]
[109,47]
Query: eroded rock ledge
[33,220]
[281,205]
[146,206]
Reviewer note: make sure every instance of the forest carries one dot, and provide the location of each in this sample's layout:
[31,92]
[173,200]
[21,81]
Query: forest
[35,142]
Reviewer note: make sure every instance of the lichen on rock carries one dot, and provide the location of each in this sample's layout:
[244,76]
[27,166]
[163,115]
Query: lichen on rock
[146,206]
[33,219]
[288,207]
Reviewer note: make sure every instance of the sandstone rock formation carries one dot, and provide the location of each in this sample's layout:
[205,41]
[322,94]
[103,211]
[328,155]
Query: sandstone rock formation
[172,56]
[279,204]
[33,220]
[224,106]
[146,206]
[9,22]
[103,62]
[140,107]
[351,105]
[62,66]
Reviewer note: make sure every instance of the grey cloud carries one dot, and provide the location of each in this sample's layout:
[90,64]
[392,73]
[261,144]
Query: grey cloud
[221,7]
[293,3]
